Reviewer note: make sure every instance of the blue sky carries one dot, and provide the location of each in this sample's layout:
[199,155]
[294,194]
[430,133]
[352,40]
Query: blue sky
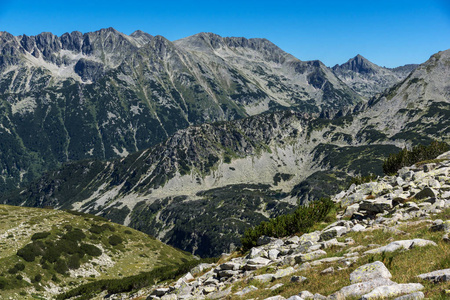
[389,33]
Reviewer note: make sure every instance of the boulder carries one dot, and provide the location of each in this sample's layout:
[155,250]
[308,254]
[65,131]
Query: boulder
[413,296]
[264,278]
[306,295]
[273,254]
[313,237]
[298,278]
[254,252]
[295,297]
[263,240]
[358,227]
[160,292]
[333,232]
[169,297]
[425,193]
[395,290]
[441,226]
[436,276]
[350,210]
[230,266]
[278,297]
[284,272]
[292,240]
[278,285]
[361,288]
[310,256]
[376,205]
[246,290]
[370,271]
[404,244]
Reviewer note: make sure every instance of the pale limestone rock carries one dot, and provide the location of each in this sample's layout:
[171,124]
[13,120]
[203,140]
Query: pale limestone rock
[264,278]
[284,272]
[313,237]
[413,296]
[369,272]
[310,256]
[246,290]
[361,288]
[395,290]
[278,285]
[436,276]
[276,298]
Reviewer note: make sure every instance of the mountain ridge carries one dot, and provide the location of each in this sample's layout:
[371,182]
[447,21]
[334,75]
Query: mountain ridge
[104,94]
[369,79]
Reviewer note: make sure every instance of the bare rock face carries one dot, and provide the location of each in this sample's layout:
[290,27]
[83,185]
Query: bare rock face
[367,78]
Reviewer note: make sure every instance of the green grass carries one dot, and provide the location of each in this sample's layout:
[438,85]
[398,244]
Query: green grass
[128,251]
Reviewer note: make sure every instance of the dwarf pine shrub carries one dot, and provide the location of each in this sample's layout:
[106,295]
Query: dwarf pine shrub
[300,221]
[409,157]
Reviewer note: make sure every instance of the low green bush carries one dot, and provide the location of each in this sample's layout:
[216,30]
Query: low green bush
[39,235]
[300,221]
[115,240]
[409,157]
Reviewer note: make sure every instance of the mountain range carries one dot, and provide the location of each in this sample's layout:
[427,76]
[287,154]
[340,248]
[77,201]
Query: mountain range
[193,141]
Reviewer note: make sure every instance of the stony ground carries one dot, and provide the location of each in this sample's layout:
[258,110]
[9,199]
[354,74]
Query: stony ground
[389,240]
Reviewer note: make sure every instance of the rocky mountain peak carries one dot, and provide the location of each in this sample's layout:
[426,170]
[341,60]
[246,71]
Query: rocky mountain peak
[358,64]
[141,37]
[367,78]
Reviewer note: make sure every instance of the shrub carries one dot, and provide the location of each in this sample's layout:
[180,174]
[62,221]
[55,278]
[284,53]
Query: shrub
[96,229]
[115,240]
[30,251]
[418,153]
[73,262]
[3,283]
[61,266]
[91,250]
[38,278]
[39,235]
[300,221]
[19,277]
[19,266]
[74,235]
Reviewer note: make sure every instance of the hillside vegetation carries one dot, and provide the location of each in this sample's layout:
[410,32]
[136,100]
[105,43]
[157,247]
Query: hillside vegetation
[44,252]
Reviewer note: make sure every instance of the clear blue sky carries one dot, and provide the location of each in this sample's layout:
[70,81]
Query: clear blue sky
[387,32]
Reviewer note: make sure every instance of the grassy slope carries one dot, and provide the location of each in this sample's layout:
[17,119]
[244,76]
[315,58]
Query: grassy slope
[137,253]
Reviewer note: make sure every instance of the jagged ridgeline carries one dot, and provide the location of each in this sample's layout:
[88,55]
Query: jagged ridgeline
[60,250]
[204,186]
[105,94]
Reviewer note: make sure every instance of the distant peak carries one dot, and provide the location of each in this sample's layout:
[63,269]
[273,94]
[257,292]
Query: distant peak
[358,64]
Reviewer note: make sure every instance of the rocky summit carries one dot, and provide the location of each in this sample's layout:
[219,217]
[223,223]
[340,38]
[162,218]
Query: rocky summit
[389,241]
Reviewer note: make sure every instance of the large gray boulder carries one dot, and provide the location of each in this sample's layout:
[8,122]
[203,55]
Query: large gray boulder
[361,288]
[384,292]
[413,296]
[404,244]
[370,271]
[436,276]
[376,206]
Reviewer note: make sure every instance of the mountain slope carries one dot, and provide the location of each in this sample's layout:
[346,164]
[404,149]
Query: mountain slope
[46,252]
[367,78]
[104,94]
[200,189]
